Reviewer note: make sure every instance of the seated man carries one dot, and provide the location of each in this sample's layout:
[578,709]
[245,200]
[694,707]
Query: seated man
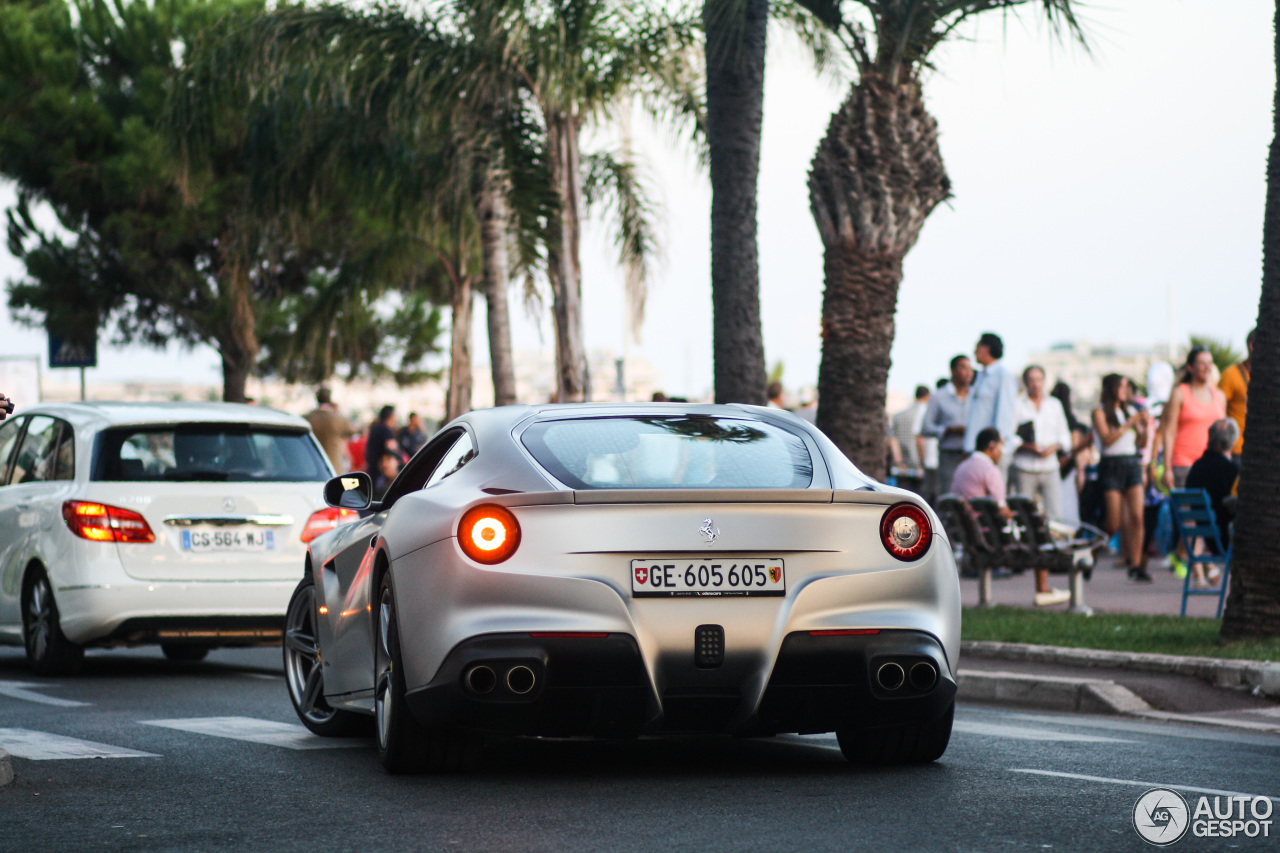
[979,477]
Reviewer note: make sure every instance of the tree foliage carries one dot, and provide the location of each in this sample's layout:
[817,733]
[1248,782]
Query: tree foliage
[153,250]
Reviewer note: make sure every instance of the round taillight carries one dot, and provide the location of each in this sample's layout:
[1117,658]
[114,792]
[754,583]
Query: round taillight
[905,531]
[488,534]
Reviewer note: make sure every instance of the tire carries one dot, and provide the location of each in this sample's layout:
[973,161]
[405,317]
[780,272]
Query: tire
[303,673]
[404,745]
[48,649]
[917,743]
[183,653]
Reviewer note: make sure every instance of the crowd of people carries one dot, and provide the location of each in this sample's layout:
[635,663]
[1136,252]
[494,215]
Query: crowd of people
[985,432]
[379,448]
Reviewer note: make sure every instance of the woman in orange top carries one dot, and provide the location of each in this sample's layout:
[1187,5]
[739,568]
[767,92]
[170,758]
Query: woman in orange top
[1193,406]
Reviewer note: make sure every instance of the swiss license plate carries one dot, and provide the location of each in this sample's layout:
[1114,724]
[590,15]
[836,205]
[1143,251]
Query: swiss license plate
[665,577]
[228,540]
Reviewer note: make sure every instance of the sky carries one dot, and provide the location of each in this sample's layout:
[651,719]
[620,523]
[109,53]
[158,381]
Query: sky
[1089,188]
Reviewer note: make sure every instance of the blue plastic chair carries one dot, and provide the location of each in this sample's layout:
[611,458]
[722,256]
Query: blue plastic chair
[1194,520]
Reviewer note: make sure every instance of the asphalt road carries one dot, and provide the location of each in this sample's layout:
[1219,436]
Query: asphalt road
[1010,780]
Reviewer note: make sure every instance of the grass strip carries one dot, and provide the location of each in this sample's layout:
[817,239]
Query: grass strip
[1120,632]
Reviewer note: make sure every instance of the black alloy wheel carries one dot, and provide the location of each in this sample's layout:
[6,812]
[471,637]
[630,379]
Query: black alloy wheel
[909,743]
[303,671]
[48,649]
[404,745]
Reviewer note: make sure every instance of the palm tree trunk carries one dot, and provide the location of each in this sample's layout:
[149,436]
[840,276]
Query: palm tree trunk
[238,344]
[735,51]
[563,266]
[458,397]
[491,208]
[857,333]
[1253,606]
[877,175]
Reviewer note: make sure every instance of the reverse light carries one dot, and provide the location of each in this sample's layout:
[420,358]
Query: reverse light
[488,534]
[905,531]
[324,520]
[104,523]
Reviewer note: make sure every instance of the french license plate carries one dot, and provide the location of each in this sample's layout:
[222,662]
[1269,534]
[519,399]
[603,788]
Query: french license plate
[722,577]
[228,540]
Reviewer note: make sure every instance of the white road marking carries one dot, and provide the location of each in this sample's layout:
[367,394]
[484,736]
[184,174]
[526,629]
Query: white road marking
[288,735]
[973,727]
[22,690]
[1138,784]
[42,746]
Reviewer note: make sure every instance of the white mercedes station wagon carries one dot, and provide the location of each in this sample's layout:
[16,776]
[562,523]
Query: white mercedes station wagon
[182,524]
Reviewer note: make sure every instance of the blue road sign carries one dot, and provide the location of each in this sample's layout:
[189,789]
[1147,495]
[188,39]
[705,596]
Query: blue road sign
[65,353]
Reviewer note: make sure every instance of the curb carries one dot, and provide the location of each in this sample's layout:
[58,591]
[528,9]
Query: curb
[1081,695]
[6,769]
[1050,693]
[1262,678]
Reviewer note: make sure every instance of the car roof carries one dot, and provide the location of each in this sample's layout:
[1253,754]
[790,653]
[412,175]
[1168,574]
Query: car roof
[98,415]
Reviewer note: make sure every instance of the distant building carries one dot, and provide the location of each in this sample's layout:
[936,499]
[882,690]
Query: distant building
[1082,364]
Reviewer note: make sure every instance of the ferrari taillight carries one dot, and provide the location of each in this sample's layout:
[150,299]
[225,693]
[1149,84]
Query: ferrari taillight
[105,523]
[324,520]
[905,531]
[488,534]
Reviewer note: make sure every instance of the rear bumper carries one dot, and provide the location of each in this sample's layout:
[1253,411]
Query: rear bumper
[599,686]
[138,612]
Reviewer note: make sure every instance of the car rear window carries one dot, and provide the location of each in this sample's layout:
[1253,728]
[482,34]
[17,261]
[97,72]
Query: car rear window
[212,452]
[670,453]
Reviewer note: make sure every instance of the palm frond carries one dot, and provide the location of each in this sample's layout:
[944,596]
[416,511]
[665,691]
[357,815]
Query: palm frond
[613,180]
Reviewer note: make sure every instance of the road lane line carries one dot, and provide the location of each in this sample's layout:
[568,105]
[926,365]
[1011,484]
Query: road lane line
[287,735]
[42,746]
[22,690]
[972,727]
[1138,784]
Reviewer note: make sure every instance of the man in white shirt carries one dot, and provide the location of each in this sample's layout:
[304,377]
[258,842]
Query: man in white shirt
[1042,430]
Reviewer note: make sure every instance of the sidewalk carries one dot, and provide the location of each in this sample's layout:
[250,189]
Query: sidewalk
[1189,690]
[1109,590]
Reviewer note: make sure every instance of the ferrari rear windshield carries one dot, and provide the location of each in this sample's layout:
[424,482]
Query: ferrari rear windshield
[208,452]
[670,453]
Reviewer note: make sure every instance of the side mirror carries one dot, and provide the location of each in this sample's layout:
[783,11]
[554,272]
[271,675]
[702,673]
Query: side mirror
[350,491]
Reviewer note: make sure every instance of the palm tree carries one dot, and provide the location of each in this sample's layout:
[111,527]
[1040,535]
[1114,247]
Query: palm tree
[876,177]
[471,74]
[1253,606]
[582,60]
[391,110]
[736,33]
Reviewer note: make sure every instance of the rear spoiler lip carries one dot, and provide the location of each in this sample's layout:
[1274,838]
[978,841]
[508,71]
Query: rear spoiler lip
[698,496]
[728,496]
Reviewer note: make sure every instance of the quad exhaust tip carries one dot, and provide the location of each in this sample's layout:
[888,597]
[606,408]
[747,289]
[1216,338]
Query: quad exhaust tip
[890,676]
[924,675]
[481,679]
[520,680]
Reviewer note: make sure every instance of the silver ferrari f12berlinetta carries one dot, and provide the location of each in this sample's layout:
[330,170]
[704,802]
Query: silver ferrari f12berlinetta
[621,570]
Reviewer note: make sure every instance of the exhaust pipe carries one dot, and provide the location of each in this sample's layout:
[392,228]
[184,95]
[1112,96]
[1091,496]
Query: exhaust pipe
[890,676]
[924,675]
[481,679]
[520,680]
